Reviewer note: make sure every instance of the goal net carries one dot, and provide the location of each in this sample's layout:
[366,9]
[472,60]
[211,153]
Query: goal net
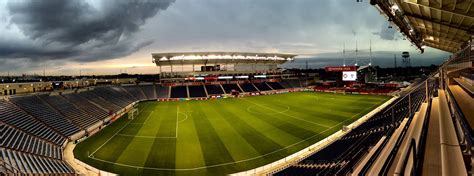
[133,113]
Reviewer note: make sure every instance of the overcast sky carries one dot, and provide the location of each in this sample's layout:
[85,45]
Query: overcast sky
[106,36]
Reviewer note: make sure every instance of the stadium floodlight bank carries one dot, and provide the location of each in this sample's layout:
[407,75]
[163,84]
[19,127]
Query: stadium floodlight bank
[237,62]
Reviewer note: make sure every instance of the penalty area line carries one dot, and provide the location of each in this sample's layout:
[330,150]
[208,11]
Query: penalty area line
[115,134]
[177,121]
[148,117]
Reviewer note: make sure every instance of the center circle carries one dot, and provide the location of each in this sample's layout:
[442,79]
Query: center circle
[268,109]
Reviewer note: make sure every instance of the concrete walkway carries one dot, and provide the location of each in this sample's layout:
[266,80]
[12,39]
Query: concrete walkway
[69,157]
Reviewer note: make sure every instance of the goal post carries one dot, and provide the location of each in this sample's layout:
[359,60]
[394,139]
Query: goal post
[133,113]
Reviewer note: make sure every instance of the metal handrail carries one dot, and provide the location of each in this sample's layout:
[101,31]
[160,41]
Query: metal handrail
[459,117]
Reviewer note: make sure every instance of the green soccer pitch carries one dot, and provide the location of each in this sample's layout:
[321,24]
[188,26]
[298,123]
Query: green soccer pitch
[218,137]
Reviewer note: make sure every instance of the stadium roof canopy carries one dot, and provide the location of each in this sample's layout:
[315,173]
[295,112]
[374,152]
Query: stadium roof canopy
[443,24]
[220,58]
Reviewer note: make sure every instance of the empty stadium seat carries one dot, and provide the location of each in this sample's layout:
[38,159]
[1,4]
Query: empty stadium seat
[262,86]
[229,87]
[34,164]
[197,91]
[248,87]
[149,91]
[87,106]
[214,90]
[136,91]
[162,91]
[14,116]
[22,141]
[70,111]
[44,112]
[179,92]
[275,85]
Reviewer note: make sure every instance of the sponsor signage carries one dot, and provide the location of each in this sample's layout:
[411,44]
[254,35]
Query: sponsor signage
[349,76]
[341,69]
[242,77]
[225,77]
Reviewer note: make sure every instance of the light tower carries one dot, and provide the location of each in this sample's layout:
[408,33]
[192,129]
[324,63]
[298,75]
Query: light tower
[344,55]
[406,58]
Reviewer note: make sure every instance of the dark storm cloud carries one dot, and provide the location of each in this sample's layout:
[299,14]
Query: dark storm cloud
[386,32]
[76,30]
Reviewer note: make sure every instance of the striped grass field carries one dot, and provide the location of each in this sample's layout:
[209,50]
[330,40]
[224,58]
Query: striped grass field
[218,137]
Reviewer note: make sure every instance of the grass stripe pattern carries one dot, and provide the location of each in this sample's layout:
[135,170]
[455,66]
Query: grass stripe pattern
[219,137]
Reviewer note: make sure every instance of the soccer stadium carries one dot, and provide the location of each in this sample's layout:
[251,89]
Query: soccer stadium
[244,113]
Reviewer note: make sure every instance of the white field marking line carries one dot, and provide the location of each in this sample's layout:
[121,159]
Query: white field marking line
[138,123]
[249,109]
[157,137]
[228,163]
[148,117]
[184,118]
[115,133]
[177,121]
[288,114]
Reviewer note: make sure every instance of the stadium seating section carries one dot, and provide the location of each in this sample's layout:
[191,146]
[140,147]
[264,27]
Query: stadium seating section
[162,91]
[196,91]
[179,92]
[70,111]
[87,106]
[34,164]
[262,86]
[214,90]
[149,91]
[291,83]
[248,87]
[275,85]
[136,91]
[16,117]
[45,113]
[229,87]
